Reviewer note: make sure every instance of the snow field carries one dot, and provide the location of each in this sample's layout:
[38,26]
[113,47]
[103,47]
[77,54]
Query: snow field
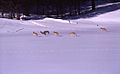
[92,52]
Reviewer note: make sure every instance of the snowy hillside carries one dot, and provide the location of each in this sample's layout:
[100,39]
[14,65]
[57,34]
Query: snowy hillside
[108,17]
[92,51]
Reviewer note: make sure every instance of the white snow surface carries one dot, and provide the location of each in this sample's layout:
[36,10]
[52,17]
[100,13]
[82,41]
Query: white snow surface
[91,52]
[108,17]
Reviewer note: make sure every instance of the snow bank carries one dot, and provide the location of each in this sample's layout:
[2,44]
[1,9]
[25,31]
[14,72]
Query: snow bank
[57,20]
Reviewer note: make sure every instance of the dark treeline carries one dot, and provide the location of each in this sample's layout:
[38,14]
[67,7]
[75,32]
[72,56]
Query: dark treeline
[58,8]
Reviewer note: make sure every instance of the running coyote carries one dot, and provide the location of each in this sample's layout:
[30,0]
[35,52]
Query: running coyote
[56,33]
[35,33]
[103,29]
[45,32]
[72,34]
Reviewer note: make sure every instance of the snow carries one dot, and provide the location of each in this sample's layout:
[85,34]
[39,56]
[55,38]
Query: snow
[91,52]
[108,17]
[57,20]
[107,4]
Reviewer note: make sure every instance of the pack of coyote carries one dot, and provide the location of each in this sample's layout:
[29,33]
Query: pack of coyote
[54,33]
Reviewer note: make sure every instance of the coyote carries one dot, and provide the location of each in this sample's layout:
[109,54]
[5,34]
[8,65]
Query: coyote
[45,32]
[103,29]
[56,33]
[34,33]
[72,34]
